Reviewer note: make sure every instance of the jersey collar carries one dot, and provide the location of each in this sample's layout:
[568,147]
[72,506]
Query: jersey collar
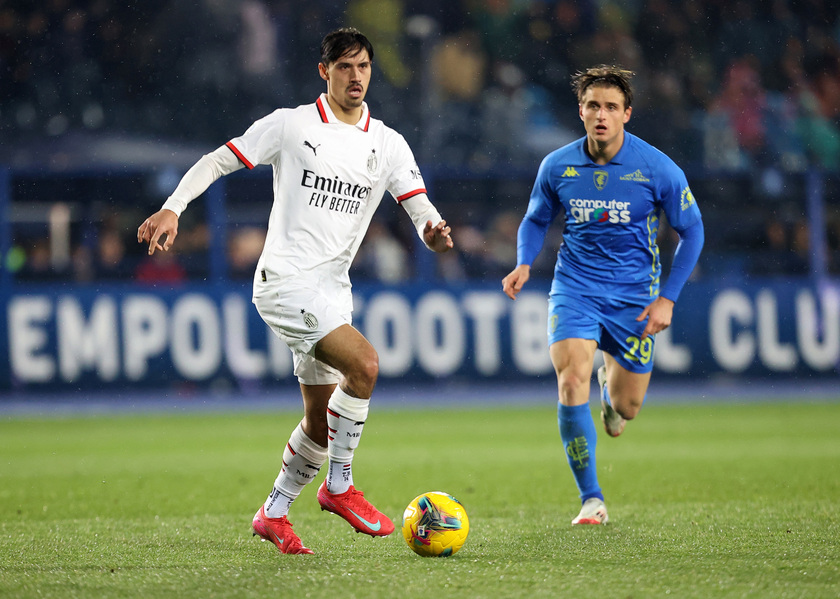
[327,115]
[617,159]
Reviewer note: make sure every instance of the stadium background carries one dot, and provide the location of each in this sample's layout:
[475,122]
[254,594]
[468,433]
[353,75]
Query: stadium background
[104,105]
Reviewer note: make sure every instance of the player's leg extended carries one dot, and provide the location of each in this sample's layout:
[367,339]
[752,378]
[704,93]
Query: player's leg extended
[572,360]
[624,390]
[346,350]
[628,362]
[302,459]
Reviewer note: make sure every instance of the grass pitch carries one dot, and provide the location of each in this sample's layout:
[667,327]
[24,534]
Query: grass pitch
[705,501]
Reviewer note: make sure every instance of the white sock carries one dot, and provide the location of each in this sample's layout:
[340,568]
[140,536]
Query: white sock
[346,417]
[277,505]
[302,459]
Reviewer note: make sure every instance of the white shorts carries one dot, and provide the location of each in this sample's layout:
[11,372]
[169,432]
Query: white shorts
[311,371]
[301,316]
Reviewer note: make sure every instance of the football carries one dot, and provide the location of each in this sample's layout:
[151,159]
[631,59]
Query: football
[435,524]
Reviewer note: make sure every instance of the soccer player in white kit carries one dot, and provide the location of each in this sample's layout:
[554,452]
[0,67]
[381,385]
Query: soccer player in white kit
[332,164]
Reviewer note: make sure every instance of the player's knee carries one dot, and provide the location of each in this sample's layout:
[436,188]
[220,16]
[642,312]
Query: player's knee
[627,408]
[365,372]
[570,382]
[370,369]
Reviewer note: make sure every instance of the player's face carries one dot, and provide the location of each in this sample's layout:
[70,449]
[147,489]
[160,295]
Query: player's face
[603,114]
[348,79]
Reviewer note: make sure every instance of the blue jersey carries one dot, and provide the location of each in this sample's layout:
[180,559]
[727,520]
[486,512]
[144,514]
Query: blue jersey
[612,214]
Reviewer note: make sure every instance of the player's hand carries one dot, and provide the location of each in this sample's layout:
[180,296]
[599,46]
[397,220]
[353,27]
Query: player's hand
[658,314]
[513,283]
[438,238]
[161,223]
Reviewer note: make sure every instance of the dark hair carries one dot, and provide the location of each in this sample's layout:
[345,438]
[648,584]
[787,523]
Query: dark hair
[341,41]
[606,75]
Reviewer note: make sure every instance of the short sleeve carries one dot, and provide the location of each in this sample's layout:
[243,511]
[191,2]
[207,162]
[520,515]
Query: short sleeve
[261,142]
[678,201]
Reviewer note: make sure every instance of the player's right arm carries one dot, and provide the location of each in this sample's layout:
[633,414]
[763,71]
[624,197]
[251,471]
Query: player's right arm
[513,283]
[163,224]
[530,239]
[543,207]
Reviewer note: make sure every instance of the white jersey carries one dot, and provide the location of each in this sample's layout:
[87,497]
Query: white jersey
[329,178]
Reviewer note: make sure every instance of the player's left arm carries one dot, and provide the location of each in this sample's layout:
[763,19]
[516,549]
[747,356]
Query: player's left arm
[660,311]
[658,314]
[680,206]
[430,226]
[408,188]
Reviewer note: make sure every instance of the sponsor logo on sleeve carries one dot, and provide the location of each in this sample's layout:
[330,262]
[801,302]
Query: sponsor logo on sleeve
[686,199]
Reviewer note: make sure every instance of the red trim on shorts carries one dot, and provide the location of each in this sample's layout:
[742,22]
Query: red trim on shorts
[411,194]
[239,154]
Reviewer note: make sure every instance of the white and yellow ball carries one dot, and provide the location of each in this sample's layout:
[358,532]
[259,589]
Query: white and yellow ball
[435,524]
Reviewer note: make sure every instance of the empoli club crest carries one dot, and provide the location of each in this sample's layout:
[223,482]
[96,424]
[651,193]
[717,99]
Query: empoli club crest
[600,179]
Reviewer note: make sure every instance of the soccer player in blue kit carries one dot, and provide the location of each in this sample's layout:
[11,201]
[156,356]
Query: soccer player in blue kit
[612,188]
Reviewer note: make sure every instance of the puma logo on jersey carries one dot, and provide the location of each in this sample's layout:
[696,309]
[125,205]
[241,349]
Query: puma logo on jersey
[313,148]
[570,172]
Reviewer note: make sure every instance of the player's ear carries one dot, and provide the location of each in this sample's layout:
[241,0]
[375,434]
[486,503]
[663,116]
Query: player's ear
[580,111]
[322,70]
[627,112]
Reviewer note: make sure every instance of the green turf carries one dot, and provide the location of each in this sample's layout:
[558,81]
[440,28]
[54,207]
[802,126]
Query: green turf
[705,500]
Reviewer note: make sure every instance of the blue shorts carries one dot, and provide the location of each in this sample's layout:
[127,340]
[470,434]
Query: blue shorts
[610,322]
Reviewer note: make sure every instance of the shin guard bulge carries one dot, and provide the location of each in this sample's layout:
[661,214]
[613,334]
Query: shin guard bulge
[302,460]
[346,417]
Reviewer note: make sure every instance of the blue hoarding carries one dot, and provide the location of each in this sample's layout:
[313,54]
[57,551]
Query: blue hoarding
[76,337]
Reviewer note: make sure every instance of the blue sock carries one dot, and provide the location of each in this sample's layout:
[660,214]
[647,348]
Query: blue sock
[577,430]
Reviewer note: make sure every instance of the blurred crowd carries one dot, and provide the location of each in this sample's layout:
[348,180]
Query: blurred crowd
[732,83]
[744,87]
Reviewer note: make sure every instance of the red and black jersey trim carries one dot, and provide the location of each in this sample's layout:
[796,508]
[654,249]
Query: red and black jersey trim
[410,194]
[321,111]
[323,114]
[239,155]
